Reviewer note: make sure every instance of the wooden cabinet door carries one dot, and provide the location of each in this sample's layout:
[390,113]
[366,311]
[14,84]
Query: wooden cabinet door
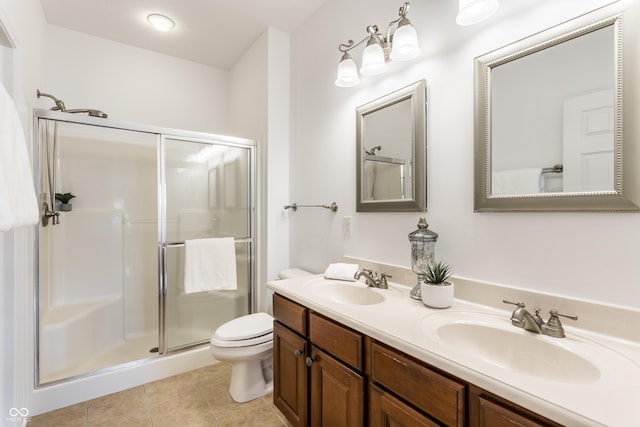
[337,393]
[385,410]
[290,374]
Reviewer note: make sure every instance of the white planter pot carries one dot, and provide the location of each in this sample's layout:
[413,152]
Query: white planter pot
[437,296]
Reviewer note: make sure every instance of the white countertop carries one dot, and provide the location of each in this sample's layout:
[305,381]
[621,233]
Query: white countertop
[405,324]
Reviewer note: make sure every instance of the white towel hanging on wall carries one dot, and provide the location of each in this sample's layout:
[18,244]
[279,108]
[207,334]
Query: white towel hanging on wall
[210,265]
[18,202]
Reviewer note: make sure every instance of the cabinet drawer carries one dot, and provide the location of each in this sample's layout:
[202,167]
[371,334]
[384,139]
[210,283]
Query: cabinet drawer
[340,341]
[433,393]
[387,411]
[494,415]
[488,410]
[291,314]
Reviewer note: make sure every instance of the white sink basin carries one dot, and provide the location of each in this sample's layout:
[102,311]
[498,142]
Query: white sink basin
[341,292]
[493,340]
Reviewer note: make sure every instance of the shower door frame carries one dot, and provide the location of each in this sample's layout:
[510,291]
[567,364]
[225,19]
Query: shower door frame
[162,134]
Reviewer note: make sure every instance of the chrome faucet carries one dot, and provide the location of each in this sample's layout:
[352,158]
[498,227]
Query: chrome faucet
[371,278]
[523,319]
[534,323]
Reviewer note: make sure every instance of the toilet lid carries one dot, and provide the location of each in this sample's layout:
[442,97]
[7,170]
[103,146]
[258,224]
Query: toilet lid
[249,342]
[256,325]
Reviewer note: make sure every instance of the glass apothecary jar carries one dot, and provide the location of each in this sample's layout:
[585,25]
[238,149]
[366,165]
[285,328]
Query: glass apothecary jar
[423,243]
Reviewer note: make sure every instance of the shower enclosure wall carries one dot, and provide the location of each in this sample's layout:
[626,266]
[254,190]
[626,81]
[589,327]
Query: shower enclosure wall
[109,288]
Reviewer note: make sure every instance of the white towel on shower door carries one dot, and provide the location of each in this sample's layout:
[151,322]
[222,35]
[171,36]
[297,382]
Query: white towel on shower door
[18,202]
[210,265]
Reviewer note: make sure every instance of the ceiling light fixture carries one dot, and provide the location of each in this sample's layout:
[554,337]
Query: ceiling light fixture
[161,22]
[399,44]
[473,11]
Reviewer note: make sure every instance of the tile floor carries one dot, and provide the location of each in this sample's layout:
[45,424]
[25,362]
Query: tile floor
[195,398]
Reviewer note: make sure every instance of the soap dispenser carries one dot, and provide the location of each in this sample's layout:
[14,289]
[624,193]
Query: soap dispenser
[423,242]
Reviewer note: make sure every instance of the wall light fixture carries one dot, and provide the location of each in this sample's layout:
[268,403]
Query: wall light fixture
[473,11]
[399,44]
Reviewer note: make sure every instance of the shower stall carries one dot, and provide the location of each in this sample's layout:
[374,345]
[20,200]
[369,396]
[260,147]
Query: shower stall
[109,283]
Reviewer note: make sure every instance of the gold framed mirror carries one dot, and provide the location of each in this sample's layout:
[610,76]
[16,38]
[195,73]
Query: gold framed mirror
[391,152]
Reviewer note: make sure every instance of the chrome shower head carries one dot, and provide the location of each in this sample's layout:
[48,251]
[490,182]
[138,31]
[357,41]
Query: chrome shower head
[61,107]
[92,113]
[59,104]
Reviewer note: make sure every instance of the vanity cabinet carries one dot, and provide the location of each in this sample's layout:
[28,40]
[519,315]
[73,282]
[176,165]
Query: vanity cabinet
[317,366]
[326,374]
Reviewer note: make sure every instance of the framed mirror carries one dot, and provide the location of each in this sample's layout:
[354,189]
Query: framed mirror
[550,128]
[391,152]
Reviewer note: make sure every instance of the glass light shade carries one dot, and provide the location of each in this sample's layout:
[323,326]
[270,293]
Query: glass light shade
[347,72]
[473,11]
[373,61]
[161,22]
[405,42]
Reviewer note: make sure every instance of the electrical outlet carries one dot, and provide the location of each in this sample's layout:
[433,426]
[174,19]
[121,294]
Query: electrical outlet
[346,226]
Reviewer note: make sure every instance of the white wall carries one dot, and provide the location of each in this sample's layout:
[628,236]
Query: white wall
[133,84]
[589,256]
[259,109]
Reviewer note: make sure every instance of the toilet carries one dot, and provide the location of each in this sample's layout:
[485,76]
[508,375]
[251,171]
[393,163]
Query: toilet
[247,344]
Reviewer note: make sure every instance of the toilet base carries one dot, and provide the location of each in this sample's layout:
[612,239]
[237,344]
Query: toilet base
[248,381]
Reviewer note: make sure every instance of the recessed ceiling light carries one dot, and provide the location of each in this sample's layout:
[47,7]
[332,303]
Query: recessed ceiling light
[161,22]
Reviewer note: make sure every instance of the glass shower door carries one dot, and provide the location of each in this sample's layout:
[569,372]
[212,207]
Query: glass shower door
[97,267]
[208,195]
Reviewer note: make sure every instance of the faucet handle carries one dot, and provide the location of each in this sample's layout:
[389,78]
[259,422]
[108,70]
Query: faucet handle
[553,327]
[520,304]
[554,313]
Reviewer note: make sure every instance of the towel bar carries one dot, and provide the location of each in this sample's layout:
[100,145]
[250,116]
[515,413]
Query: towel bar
[175,244]
[553,169]
[294,207]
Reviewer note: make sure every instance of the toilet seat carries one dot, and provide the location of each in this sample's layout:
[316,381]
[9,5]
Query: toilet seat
[248,330]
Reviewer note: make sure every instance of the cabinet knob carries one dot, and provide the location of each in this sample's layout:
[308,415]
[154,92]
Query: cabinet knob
[298,353]
[309,361]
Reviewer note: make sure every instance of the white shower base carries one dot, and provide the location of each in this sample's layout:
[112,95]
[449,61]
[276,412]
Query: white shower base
[129,351]
[81,339]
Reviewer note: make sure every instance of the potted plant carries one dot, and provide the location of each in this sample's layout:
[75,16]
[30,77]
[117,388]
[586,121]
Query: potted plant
[436,290]
[64,199]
